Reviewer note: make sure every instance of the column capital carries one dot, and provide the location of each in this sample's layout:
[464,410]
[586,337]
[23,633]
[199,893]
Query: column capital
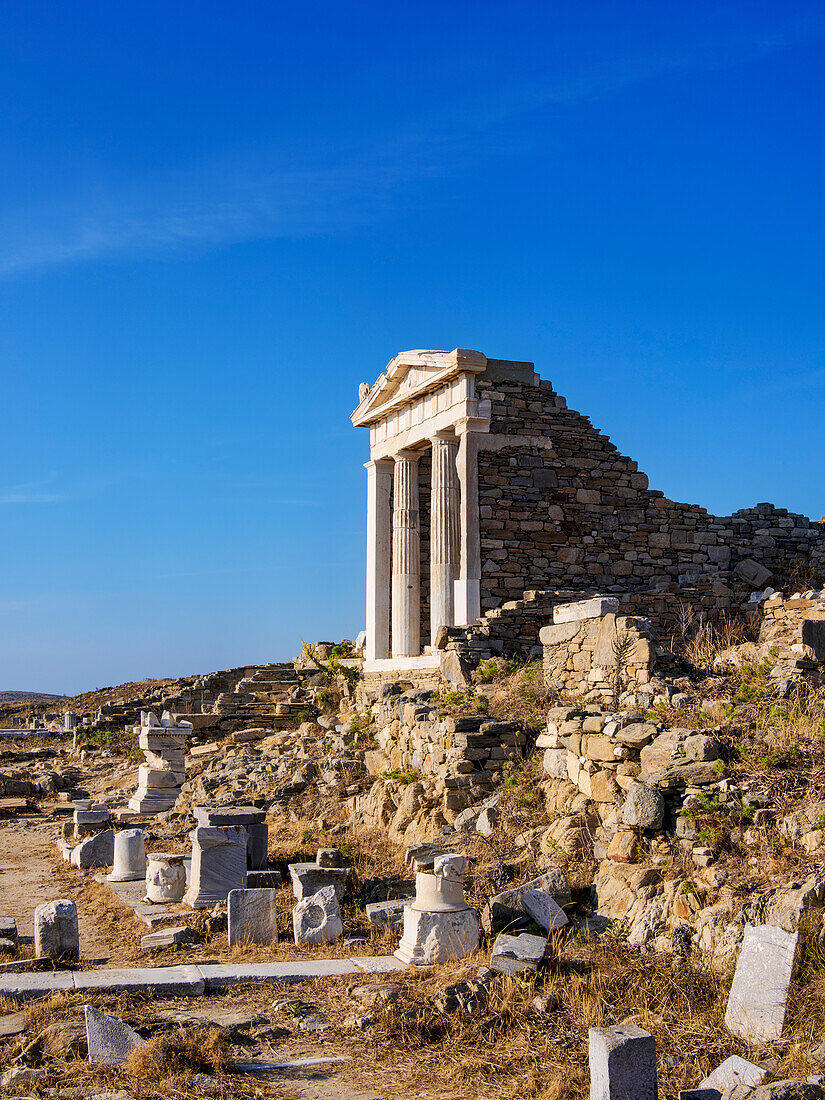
[378,463]
[407,453]
[447,436]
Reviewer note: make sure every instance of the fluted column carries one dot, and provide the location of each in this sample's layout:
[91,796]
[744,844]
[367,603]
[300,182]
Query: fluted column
[379,526]
[444,506]
[468,585]
[406,557]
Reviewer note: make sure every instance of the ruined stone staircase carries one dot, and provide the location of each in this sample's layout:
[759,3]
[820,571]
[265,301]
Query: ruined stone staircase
[263,696]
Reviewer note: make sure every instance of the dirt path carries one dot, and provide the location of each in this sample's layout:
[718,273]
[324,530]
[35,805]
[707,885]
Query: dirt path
[31,872]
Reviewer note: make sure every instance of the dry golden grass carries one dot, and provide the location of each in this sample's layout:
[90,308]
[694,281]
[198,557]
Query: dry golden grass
[181,1053]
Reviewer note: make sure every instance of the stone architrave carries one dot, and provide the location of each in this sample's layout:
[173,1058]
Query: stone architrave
[759,993]
[252,917]
[109,1041]
[218,864]
[317,919]
[622,1063]
[56,933]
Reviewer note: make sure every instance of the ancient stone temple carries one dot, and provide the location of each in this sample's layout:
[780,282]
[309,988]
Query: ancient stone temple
[485,491]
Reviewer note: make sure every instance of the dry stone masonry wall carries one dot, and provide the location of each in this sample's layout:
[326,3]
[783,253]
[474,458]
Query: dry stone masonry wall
[561,508]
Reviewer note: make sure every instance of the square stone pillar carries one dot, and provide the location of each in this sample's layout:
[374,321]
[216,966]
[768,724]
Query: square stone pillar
[379,525]
[444,508]
[406,557]
[468,585]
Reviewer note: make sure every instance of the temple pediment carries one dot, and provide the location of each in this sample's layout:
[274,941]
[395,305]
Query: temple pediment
[411,374]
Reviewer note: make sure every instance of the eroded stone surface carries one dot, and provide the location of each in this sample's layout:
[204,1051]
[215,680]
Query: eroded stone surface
[109,1041]
[317,919]
[55,930]
[252,917]
[759,993]
[622,1063]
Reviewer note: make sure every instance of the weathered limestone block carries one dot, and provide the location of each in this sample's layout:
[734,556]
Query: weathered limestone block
[542,908]
[218,864]
[252,917]
[759,993]
[512,954]
[733,1071]
[317,919]
[585,609]
[109,1041]
[622,1063]
[507,909]
[55,930]
[309,878]
[95,851]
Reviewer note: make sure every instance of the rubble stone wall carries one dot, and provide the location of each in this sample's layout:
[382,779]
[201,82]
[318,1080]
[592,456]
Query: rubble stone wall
[561,508]
[582,657]
[796,626]
[464,753]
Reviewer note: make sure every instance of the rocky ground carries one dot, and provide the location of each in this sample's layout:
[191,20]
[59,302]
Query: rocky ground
[731,829]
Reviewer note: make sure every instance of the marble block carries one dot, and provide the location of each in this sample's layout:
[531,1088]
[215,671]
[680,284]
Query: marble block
[309,878]
[55,930]
[622,1063]
[109,1040]
[759,993]
[165,877]
[218,864]
[541,908]
[95,851]
[437,937]
[317,919]
[252,917]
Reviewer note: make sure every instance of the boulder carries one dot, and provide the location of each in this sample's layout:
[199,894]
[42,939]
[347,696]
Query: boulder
[644,808]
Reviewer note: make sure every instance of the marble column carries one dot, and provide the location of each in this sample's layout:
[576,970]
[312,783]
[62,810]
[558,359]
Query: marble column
[444,510]
[379,525]
[406,554]
[468,585]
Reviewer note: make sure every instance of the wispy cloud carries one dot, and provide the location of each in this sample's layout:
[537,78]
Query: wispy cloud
[34,493]
[248,197]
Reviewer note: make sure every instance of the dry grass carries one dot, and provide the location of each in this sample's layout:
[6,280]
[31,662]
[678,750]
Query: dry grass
[181,1053]
[516,692]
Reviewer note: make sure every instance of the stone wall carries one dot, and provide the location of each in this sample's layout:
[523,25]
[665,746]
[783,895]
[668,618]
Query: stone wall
[463,753]
[796,624]
[592,652]
[561,508]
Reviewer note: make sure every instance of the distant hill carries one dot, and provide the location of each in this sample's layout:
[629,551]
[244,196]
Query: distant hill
[29,697]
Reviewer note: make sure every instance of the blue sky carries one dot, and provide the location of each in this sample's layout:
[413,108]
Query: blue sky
[217,219]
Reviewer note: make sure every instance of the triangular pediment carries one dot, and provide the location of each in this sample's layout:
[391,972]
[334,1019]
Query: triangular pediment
[410,374]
